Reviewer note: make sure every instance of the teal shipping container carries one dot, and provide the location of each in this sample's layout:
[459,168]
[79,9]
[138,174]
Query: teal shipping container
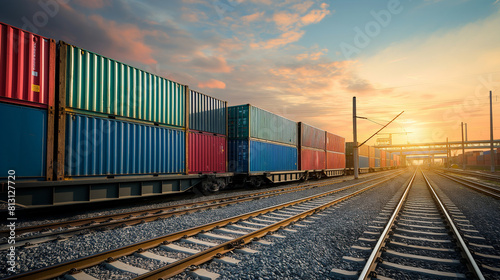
[251,155]
[101,86]
[24,144]
[247,121]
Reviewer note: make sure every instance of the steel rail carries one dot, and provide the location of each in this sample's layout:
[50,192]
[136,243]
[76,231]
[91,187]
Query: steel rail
[89,261]
[471,263]
[477,174]
[488,190]
[371,263]
[204,256]
[137,217]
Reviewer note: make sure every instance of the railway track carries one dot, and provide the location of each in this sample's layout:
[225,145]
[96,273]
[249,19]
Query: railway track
[483,175]
[478,186]
[29,236]
[419,241]
[186,249]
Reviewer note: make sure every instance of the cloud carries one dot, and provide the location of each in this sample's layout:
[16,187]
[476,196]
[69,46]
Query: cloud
[315,16]
[212,83]
[93,4]
[252,17]
[285,21]
[282,40]
[214,64]
[127,40]
[303,6]
[312,55]
[357,85]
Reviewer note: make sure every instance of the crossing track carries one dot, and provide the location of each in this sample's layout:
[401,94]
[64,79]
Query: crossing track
[242,229]
[421,217]
[478,174]
[478,186]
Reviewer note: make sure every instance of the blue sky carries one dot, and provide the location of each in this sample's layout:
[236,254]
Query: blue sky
[434,59]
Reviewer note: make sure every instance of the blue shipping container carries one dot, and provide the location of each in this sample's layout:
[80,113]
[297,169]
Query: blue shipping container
[377,162]
[23,144]
[262,156]
[363,162]
[207,113]
[98,146]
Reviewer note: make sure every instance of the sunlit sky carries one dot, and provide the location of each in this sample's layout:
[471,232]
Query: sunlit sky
[436,60]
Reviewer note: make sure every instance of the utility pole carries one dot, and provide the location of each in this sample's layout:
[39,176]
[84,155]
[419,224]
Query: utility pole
[447,153]
[491,138]
[355,158]
[463,148]
[466,132]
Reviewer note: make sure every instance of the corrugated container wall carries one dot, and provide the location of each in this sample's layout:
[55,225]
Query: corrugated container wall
[312,159]
[102,86]
[335,160]
[23,147]
[207,153]
[207,113]
[363,162]
[364,150]
[99,146]
[248,121]
[311,137]
[335,143]
[260,156]
[27,68]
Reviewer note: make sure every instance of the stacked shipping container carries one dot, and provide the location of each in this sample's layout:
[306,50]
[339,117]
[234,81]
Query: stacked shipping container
[27,90]
[260,141]
[312,142]
[363,155]
[207,151]
[335,151]
[137,118]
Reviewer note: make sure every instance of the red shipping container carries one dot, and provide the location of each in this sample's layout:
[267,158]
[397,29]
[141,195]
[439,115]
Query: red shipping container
[371,162]
[335,160]
[312,159]
[335,143]
[27,69]
[207,153]
[311,137]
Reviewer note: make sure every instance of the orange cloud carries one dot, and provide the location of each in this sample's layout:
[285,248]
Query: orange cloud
[315,16]
[252,17]
[284,39]
[311,56]
[303,6]
[212,83]
[285,20]
[127,40]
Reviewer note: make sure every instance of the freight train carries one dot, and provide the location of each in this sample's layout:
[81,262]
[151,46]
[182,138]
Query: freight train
[81,127]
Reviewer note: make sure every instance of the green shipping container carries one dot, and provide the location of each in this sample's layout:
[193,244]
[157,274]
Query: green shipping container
[98,85]
[249,121]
